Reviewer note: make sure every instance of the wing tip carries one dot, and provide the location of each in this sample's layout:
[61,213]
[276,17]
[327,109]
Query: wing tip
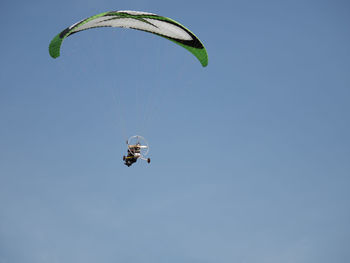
[54,54]
[204,63]
[55,45]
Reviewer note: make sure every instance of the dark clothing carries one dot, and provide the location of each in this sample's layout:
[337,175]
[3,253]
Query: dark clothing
[130,159]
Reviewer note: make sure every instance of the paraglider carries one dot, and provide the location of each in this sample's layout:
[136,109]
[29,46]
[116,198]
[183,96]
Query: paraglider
[143,21]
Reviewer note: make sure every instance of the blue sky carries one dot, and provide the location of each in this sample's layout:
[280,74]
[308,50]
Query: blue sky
[250,156]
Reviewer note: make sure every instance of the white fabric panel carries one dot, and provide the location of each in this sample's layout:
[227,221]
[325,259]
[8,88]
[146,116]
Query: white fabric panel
[131,12]
[170,30]
[161,27]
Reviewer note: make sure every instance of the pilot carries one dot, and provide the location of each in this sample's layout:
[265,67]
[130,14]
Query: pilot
[130,158]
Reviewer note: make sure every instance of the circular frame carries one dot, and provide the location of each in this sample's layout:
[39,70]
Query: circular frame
[137,139]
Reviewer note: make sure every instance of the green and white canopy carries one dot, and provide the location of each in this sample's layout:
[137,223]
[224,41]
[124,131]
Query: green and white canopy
[158,25]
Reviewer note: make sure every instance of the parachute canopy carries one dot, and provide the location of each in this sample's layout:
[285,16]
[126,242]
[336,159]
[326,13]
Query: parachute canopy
[158,25]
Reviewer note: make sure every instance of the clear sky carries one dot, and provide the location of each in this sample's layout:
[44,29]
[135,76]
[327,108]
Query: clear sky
[250,155]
